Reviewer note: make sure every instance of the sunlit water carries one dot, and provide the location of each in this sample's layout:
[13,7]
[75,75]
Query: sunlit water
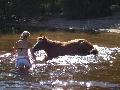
[62,73]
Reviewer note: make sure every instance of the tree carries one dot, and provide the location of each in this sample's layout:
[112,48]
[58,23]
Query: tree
[86,8]
[26,7]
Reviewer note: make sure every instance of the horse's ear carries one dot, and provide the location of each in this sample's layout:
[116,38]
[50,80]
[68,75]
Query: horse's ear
[41,34]
[44,37]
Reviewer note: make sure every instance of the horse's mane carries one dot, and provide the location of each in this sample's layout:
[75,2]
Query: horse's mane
[59,42]
[49,40]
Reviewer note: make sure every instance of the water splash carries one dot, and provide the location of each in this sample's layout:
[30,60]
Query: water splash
[105,54]
[60,73]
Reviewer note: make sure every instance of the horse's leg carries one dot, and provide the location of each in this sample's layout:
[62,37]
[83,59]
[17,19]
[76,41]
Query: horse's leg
[47,58]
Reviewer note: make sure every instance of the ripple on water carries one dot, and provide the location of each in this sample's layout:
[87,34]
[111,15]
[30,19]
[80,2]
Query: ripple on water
[59,73]
[57,84]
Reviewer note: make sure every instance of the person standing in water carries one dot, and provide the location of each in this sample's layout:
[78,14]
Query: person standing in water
[21,46]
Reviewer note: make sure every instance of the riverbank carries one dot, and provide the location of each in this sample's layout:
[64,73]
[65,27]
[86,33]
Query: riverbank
[110,23]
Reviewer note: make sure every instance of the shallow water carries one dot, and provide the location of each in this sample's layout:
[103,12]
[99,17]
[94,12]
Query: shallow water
[100,72]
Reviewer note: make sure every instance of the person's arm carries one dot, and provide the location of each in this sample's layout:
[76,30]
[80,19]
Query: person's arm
[14,47]
[31,50]
[33,55]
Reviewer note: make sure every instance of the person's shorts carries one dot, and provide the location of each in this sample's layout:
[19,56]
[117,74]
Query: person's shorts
[23,60]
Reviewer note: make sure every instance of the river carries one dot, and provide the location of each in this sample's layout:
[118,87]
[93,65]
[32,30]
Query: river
[90,72]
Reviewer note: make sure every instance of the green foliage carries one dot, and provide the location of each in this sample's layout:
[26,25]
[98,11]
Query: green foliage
[35,8]
[4,7]
[70,8]
[86,8]
[11,11]
[26,8]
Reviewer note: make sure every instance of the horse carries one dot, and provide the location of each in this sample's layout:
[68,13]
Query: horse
[56,48]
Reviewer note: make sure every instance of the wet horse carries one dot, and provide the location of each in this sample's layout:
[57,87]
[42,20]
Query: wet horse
[57,48]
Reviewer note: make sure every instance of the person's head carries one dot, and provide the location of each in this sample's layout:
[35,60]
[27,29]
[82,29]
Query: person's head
[25,35]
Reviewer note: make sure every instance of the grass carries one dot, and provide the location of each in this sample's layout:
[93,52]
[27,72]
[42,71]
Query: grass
[101,39]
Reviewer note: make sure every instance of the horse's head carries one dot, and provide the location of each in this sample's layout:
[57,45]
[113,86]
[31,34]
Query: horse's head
[40,43]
